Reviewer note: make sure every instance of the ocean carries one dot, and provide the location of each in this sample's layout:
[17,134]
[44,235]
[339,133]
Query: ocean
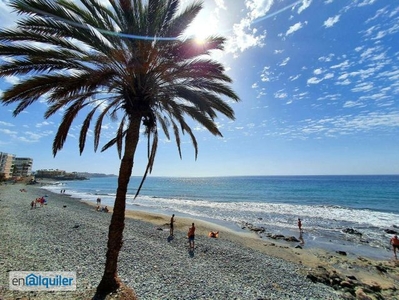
[327,205]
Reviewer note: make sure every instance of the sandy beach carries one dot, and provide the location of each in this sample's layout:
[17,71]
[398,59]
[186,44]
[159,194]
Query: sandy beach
[70,235]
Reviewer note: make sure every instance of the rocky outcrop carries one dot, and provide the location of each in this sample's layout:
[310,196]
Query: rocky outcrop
[252,227]
[349,285]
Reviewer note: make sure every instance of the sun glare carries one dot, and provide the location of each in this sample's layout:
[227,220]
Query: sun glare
[201,29]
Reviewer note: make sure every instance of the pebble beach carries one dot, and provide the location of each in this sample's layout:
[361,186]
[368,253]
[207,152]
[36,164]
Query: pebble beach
[67,234]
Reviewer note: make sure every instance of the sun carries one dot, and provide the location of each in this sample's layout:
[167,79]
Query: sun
[202,28]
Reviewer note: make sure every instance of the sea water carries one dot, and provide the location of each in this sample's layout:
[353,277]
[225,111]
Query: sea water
[327,205]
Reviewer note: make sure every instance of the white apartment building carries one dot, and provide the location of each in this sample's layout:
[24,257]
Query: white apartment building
[22,167]
[7,164]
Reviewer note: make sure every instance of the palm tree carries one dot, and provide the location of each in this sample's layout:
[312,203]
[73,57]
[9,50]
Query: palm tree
[128,61]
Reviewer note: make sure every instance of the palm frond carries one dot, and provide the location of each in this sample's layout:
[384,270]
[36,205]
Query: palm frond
[85,127]
[66,122]
[150,163]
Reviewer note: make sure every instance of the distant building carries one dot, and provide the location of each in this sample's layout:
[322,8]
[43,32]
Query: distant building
[22,167]
[58,175]
[50,173]
[6,165]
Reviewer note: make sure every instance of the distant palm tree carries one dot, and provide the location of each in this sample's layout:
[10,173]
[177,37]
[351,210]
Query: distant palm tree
[126,60]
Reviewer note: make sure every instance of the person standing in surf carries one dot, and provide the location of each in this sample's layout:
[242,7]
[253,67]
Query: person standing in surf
[395,244]
[300,225]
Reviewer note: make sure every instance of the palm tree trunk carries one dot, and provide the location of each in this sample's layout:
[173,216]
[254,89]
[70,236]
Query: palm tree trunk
[110,281]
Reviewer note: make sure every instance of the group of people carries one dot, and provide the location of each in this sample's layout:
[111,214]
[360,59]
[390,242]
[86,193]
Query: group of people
[102,209]
[40,200]
[190,234]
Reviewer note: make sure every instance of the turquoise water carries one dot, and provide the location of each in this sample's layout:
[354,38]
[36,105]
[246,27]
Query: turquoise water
[326,204]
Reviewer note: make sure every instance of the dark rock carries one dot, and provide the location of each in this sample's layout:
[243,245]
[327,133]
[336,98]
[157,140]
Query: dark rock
[375,287]
[320,274]
[380,268]
[346,283]
[277,236]
[291,239]
[257,229]
[298,247]
[76,226]
[351,231]
[341,252]
[390,231]
[351,277]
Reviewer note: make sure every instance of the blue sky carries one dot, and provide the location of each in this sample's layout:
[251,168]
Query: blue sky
[319,88]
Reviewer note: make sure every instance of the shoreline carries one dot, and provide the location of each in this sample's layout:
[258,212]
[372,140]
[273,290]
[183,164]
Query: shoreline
[323,228]
[313,257]
[309,262]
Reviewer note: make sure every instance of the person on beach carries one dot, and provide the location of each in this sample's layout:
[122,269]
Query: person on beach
[213,234]
[191,235]
[395,244]
[300,225]
[106,209]
[98,201]
[172,220]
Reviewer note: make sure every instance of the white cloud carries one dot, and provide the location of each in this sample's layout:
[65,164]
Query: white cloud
[366,2]
[284,62]
[258,8]
[350,104]
[363,87]
[8,132]
[266,74]
[314,80]
[331,21]
[342,65]
[328,76]
[244,37]
[280,95]
[294,28]
[292,78]
[317,71]
[327,58]
[305,5]
[345,82]
[44,123]
[6,124]
[342,125]
[221,4]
